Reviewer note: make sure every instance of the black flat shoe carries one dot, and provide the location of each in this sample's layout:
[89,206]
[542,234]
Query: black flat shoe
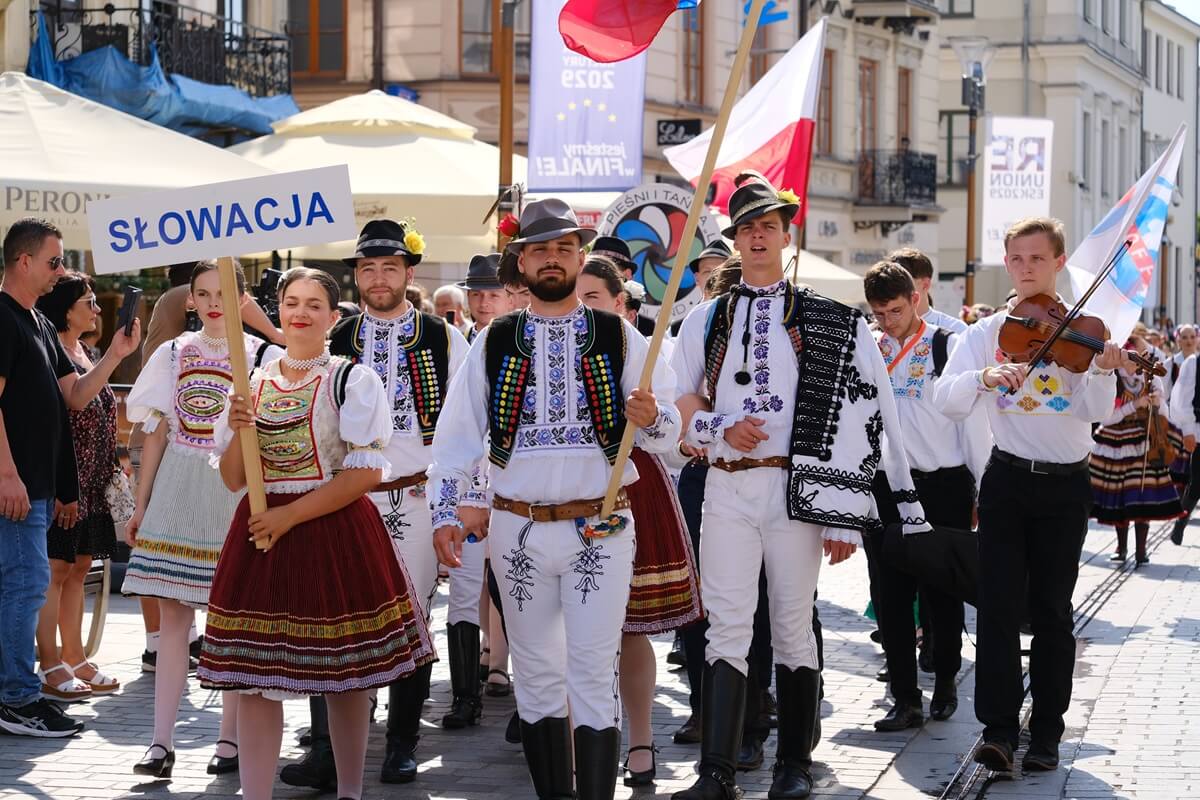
[1040,758]
[1142,559]
[512,732]
[944,702]
[160,767]
[1177,531]
[1117,557]
[399,763]
[223,765]
[996,756]
[497,689]
[647,777]
[882,675]
[901,717]
[750,756]
[690,731]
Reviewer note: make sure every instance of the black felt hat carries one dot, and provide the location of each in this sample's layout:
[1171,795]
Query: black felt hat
[714,249]
[613,248]
[386,237]
[753,198]
[483,273]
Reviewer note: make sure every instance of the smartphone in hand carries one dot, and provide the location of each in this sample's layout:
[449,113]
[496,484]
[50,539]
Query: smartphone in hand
[128,311]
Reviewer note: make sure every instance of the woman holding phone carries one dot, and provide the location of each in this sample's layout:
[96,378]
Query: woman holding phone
[183,509]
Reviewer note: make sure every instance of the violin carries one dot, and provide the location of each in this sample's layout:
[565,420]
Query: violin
[1040,328]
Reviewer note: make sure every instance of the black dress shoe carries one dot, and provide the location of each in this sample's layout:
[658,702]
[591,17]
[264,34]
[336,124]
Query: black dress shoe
[1040,758]
[1117,557]
[689,732]
[646,777]
[399,763]
[945,700]
[1141,558]
[877,636]
[316,770]
[883,676]
[995,755]
[156,767]
[223,765]
[925,659]
[790,781]
[678,656]
[1177,531]
[768,710]
[711,785]
[750,754]
[901,717]
[512,732]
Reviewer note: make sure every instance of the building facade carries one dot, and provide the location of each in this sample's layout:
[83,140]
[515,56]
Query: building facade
[1099,69]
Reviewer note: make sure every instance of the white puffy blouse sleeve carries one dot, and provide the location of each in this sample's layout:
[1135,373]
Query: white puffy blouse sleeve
[365,423]
[152,397]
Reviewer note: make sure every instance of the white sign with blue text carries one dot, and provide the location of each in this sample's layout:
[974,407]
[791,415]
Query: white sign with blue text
[290,209]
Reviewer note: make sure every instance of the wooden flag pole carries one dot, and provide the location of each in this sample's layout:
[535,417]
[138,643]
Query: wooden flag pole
[231,305]
[685,244]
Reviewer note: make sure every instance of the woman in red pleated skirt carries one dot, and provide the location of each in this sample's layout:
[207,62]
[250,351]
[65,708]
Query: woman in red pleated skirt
[309,596]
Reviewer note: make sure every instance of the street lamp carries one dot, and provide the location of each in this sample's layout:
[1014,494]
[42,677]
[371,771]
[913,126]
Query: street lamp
[974,53]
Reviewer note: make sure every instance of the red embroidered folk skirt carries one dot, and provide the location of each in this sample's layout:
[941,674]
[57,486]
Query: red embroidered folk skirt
[664,593]
[327,609]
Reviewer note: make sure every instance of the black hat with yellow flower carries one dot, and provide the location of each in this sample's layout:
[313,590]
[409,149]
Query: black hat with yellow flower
[755,197]
[387,237]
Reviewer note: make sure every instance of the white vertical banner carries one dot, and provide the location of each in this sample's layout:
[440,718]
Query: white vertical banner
[1016,178]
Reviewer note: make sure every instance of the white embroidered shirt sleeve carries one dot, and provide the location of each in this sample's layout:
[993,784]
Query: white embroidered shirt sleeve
[1183,394]
[458,445]
[152,397]
[706,428]
[365,421]
[663,434]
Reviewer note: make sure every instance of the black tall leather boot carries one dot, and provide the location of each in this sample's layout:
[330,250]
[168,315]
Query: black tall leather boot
[317,769]
[750,754]
[547,746]
[406,698]
[724,703]
[798,692]
[597,754]
[462,643]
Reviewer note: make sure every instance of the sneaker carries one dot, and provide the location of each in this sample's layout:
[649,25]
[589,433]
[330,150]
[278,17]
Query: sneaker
[149,661]
[40,718]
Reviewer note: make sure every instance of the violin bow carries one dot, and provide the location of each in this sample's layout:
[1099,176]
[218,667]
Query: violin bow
[1078,307]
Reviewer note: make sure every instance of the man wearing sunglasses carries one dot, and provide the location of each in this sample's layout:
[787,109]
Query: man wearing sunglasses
[37,462]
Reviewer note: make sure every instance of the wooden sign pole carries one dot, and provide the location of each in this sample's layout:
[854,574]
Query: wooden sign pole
[689,233]
[231,305]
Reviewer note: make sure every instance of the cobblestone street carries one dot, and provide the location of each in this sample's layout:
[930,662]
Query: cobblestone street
[1130,730]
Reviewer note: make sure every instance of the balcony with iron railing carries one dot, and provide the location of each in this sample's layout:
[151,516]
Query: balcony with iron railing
[196,44]
[891,184]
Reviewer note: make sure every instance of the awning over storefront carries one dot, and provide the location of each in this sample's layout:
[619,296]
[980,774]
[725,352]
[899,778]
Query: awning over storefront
[58,150]
[824,277]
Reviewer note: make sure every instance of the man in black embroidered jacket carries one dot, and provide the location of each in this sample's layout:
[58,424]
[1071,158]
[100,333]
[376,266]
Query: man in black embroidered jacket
[551,389]
[415,355]
[792,421]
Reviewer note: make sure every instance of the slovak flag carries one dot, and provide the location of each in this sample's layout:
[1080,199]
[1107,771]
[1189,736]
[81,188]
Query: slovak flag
[614,30]
[1140,216]
[770,129]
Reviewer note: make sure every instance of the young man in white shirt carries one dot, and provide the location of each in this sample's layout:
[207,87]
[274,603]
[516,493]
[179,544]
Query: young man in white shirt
[947,459]
[921,269]
[1033,504]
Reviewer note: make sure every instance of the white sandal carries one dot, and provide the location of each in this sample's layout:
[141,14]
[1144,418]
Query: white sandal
[70,689]
[100,683]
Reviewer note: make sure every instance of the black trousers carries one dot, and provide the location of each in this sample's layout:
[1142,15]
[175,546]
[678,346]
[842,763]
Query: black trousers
[1192,494]
[948,497]
[1031,529]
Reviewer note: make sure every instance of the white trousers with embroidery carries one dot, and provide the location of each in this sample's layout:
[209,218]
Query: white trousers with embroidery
[409,522]
[564,604]
[745,527]
[466,583]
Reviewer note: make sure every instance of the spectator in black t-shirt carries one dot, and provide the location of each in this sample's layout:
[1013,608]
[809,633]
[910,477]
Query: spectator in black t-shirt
[38,484]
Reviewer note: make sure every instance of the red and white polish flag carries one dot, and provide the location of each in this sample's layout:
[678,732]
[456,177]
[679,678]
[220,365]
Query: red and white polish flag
[770,129]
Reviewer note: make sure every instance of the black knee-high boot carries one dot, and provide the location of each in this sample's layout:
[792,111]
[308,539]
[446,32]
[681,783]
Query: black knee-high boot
[724,704]
[547,746]
[462,643]
[406,698]
[798,692]
[597,754]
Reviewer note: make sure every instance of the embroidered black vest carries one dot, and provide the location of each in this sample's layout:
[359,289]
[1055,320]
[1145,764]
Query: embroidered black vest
[822,334]
[428,360]
[508,362]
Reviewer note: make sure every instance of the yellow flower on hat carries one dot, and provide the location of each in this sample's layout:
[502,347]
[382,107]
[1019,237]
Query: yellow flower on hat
[414,243]
[788,196]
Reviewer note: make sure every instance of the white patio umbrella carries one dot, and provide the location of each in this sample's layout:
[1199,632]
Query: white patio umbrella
[58,150]
[824,277]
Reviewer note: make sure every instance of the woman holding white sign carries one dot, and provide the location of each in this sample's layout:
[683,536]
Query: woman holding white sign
[273,632]
[183,510]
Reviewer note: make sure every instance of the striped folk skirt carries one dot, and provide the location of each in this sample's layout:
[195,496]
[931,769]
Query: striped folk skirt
[327,609]
[664,593]
[182,533]
[1126,486]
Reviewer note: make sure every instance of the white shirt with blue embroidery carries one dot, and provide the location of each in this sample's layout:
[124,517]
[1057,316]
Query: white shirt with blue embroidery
[1049,419]
[932,441]
[555,458]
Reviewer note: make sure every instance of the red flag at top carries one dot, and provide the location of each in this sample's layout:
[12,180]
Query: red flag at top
[614,30]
